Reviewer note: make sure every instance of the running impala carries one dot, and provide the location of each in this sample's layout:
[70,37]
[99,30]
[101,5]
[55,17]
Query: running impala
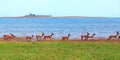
[49,36]
[66,37]
[91,36]
[9,36]
[84,36]
[29,37]
[114,35]
[38,36]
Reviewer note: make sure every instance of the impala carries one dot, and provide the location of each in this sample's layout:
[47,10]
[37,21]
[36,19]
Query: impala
[114,35]
[29,37]
[66,37]
[38,36]
[9,36]
[48,37]
[84,36]
[91,36]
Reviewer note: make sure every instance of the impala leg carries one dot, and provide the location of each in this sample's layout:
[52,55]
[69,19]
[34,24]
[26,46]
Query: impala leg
[4,38]
[109,38]
[82,38]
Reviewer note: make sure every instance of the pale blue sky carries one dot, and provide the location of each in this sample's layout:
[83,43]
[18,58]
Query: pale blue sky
[103,8]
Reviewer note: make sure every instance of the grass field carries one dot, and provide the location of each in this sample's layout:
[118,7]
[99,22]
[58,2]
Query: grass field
[59,51]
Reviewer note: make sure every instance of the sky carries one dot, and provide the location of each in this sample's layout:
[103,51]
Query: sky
[95,8]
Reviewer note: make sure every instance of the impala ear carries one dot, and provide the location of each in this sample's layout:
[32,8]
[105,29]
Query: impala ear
[32,35]
[87,33]
[68,33]
[117,32]
[42,32]
[53,33]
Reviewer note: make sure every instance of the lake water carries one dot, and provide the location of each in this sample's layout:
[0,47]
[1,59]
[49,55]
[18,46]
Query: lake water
[103,27]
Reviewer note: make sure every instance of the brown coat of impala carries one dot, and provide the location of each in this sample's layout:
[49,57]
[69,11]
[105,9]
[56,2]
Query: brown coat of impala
[114,36]
[91,36]
[9,36]
[84,36]
[38,36]
[66,37]
[49,36]
[29,37]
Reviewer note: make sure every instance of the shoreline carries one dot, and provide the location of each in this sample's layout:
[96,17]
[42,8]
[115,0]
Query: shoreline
[21,39]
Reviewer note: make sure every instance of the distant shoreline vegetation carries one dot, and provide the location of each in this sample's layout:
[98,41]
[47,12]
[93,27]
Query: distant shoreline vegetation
[34,15]
[50,16]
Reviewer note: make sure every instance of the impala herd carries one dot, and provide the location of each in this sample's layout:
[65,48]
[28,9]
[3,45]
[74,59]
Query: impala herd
[86,36]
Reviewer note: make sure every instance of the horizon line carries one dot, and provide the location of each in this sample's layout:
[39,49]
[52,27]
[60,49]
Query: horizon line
[57,17]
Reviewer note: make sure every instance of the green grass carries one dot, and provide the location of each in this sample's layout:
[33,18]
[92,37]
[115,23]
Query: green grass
[59,51]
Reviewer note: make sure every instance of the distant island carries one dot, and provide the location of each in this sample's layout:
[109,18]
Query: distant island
[34,15]
[31,15]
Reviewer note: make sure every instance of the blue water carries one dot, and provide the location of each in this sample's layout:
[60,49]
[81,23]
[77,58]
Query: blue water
[59,26]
